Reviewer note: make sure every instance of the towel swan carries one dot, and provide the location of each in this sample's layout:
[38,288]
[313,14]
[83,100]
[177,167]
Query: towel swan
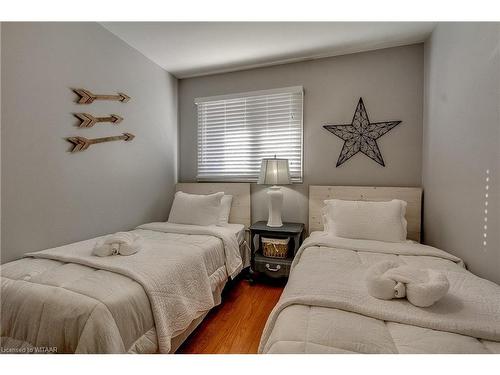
[121,243]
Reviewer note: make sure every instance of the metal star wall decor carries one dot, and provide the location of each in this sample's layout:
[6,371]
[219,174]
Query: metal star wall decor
[361,135]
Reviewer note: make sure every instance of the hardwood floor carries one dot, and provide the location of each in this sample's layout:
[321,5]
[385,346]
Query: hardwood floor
[235,326]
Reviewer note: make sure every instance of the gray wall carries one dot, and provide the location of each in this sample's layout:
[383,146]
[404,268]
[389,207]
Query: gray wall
[462,141]
[391,84]
[51,197]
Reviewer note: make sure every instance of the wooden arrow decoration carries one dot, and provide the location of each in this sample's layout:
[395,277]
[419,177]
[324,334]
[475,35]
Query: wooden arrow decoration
[86,97]
[88,120]
[82,143]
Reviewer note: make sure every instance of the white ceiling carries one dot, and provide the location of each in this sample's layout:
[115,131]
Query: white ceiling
[188,49]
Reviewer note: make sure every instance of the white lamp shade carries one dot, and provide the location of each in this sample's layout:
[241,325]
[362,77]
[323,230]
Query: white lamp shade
[274,172]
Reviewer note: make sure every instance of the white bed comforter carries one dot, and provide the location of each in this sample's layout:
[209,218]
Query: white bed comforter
[173,274]
[327,280]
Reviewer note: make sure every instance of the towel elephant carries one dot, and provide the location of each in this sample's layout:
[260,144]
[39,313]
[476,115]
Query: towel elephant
[421,287]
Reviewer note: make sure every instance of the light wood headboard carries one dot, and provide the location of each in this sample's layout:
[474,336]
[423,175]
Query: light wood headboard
[240,207]
[413,196]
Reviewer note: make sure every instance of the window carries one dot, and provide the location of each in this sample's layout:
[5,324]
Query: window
[235,132]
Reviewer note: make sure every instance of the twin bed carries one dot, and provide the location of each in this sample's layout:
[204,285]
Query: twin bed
[67,300]
[151,301]
[325,307]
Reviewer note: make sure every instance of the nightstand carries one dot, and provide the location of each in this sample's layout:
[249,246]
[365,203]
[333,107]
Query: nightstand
[273,267]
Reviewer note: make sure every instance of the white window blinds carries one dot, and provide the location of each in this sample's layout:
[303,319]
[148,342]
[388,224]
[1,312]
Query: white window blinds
[235,132]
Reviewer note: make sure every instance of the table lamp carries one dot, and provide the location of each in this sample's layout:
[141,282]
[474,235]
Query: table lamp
[274,172]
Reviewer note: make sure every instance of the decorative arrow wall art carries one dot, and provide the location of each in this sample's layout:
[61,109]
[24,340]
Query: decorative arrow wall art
[82,143]
[88,120]
[86,97]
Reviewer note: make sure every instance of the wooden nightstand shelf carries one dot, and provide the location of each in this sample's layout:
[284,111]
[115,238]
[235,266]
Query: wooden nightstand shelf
[273,267]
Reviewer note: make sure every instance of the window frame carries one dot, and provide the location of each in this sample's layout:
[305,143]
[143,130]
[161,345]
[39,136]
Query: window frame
[241,95]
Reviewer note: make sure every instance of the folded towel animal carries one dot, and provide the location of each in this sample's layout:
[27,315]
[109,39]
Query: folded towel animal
[381,286]
[387,280]
[122,243]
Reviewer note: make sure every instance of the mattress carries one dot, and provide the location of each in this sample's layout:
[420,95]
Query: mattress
[315,328]
[77,292]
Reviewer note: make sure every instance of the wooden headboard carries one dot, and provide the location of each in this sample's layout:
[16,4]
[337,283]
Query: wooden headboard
[240,207]
[413,196]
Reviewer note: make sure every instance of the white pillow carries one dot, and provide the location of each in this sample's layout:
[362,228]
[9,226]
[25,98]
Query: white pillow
[195,209]
[381,221]
[225,209]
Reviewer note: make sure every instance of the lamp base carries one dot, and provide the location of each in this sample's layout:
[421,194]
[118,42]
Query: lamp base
[275,196]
